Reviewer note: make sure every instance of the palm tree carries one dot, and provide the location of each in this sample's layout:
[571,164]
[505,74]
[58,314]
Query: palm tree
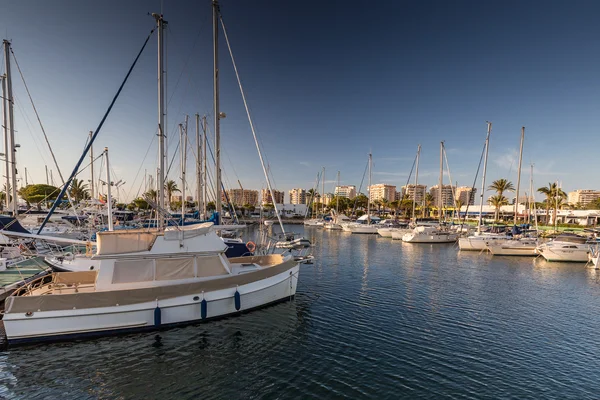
[151,194]
[501,185]
[394,206]
[428,200]
[498,201]
[79,190]
[554,196]
[386,204]
[458,205]
[171,187]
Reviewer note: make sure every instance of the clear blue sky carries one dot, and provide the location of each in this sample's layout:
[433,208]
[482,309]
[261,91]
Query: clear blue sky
[327,82]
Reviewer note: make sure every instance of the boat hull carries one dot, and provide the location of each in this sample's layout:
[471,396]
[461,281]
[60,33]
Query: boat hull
[479,243]
[364,230]
[508,250]
[564,255]
[72,323]
[439,238]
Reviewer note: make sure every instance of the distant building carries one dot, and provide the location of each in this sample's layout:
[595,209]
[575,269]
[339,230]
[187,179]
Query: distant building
[347,191]
[447,195]
[241,197]
[382,191]
[297,196]
[326,200]
[583,197]
[266,196]
[176,198]
[466,195]
[416,194]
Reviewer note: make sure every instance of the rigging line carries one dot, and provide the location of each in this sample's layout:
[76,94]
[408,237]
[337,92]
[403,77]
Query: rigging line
[450,178]
[410,174]
[140,168]
[359,189]
[251,123]
[22,111]
[112,103]
[472,189]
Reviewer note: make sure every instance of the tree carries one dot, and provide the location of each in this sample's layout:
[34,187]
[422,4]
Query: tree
[497,201]
[78,190]
[458,205]
[151,195]
[36,194]
[501,185]
[141,204]
[171,187]
[361,201]
[211,206]
[385,203]
[394,206]
[428,203]
[554,197]
[406,205]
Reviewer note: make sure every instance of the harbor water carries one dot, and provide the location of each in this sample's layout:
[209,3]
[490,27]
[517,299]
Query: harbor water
[372,318]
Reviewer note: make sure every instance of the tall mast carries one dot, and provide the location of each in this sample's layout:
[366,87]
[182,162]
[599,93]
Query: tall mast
[369,197]
[519,173]
[25,178]
[217,113]
[337,198]
[487,145]
[183,146]
[440,201]
[12,151]
[204,168]
[198,165]
[322,193]
[47,180]
[6,147]
[160,22]
[92,167]
[109,195]
[416,183]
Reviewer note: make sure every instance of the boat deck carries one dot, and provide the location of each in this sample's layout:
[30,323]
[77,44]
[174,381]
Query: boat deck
[15,275]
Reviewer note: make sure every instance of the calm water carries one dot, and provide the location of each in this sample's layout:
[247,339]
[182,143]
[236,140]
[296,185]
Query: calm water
[371,319]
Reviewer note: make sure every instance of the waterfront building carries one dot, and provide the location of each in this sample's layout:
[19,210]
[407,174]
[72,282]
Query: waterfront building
[266,196]
[466,195]
[326,199]
[447,195]
[583,197]
[297,196]
[241,197]
[382,191]
[416,194]
[347,191]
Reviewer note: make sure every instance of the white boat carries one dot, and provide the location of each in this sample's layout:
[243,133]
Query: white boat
[398,233]
[332,226]
[565,247]
[481,241]
[145,280]
[430,234]
[516,247]
[368,229]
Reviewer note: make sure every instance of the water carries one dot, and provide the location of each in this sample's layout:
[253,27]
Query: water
[372,319]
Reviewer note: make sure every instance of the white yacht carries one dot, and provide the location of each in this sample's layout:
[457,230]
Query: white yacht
[430,234]
[143,280]
[481,241]
[565,247]
[515,247]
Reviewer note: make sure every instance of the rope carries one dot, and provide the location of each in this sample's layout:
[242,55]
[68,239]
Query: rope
[55,204]
[472,189]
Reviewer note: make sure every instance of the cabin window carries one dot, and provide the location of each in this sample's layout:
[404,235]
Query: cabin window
[133,271]
[174,268]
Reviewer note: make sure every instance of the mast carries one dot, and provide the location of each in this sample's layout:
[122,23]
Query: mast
[92,167]
[25,178]
[323,193]
[12,150]
[416,183]
[337,198]
[108,195]
[217,114]
[369,198]
[6,151]
[47,180]
[440,201]
[204,168]
[183,146]
[519,174]
[160,23]
[487,145]
[198,165]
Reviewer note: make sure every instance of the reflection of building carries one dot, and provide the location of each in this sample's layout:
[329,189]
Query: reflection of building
[347,191]
[241,197]
[265,194]
[466,195]
[417,195]
[381,191]
[447,195]
[297,196]
[583,197]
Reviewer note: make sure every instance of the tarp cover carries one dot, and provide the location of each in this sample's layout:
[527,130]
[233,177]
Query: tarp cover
[124,241]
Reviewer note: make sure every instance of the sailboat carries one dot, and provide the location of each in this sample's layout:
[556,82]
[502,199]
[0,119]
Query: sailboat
[433,234]
[367,225]
[146,279]
[334,224]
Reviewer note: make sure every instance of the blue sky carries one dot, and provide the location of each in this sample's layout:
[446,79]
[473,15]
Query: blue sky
[326,82]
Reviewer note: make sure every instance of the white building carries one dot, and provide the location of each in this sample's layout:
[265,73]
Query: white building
[583,197]
[347,191]
[466,195]
[447,195]
[382,191]
[417,195]
[297,196]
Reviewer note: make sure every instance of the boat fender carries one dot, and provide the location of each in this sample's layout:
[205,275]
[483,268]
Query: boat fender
[157,316]
[203,309]
[238,300]
[251,246]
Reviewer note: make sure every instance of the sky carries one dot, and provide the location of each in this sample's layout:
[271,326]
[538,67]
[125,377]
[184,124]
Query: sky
[326,82]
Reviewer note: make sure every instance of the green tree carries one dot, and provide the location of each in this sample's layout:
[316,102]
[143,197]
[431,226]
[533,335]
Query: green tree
[36,194]
[501,185]
[170,188]
[211,206]
[78,190]
[151,195]
[395,205]
[554,197]
[141,204]
[458,205]
[497,201]
[428,203]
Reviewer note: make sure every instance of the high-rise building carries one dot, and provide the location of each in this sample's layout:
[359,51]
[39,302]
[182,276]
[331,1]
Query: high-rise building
[347,191]
[297,196]
[583,197]
[416,194]
[266,196]
[241,197]
[466,195]
[447,195]
[382,191]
